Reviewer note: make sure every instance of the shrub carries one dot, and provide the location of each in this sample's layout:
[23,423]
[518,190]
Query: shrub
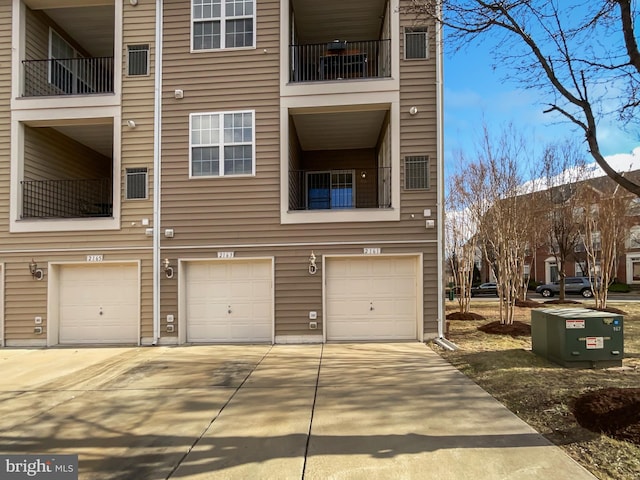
[619,287]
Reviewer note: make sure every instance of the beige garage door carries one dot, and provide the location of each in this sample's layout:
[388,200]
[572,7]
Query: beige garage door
[229,301]
[99,304]
[371,298]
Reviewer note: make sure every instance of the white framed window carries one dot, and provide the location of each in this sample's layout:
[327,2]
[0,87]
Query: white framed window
[416,43]
[65,71]
[222,24]
[138,60]
[136,183]
[634,237]
[416,173]
[330,190]
[222,144]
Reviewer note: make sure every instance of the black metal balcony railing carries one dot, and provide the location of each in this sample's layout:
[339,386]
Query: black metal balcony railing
[68,76]
[340,189]
[66,198]
[340,60]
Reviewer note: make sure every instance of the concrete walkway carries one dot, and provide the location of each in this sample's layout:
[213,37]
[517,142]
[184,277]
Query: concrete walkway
[337,411]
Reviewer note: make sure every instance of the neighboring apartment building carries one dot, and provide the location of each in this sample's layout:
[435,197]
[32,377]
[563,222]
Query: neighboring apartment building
[191,171]
[541,264]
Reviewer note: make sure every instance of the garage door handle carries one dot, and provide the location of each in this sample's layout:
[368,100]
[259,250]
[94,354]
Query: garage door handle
[229,309]
[371,306]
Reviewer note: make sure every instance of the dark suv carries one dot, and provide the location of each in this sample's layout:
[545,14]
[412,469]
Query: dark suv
[576,285]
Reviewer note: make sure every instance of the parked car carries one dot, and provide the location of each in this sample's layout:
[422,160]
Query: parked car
[485,289]
[572,285]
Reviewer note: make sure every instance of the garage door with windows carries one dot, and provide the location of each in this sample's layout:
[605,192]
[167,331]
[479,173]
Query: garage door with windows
[229,301]
[99,304]
[372,298]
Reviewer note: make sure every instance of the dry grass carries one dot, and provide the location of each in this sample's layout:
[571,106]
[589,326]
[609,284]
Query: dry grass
[542,393]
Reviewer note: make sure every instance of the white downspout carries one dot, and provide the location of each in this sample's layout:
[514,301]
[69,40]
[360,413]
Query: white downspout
[157,151]
[440,153]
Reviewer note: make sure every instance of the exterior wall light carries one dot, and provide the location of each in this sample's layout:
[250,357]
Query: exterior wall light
[167,268]
[36,272]
[312,264]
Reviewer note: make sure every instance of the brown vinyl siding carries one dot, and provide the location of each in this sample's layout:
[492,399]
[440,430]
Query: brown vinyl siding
[246,210]
[25,297]
[49,155]
[37,35]
[138,105]
[240,214]
[5,110]
[418,136]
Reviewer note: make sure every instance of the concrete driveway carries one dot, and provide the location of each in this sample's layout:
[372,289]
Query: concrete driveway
[336,411]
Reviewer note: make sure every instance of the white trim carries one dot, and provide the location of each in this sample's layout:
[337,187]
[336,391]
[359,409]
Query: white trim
[630,257]
[148,60]
[2,296]
[53,295]
[298,339]
[426,42]
[223,25]
[419,257]
[18,40]
[547,268]
[222,144]
[332,104]
[182,290]
[53,117]
[27,343]
[18,102]
[440,174]
[220,247]
[346,87]
[157,168]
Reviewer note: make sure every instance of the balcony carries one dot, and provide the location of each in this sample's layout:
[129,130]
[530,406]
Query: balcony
[340,189]
[334,40]
[66,198]
[69,48]
[340,60]
[68,76]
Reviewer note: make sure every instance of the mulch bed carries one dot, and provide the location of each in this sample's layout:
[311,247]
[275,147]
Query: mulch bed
[563,302]
[612,411]
[517,329]
[464,316]
[527,303]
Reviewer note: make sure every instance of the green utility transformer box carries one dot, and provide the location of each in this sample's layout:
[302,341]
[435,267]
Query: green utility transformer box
[578,337]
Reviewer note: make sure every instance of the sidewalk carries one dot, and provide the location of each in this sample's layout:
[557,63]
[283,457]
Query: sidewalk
[336,411]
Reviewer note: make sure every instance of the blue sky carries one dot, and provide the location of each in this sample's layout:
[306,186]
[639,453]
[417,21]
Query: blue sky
[475,93]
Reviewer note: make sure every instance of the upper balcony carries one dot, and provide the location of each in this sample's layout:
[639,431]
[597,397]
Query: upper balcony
[334,41]
[68,51]
[66,171]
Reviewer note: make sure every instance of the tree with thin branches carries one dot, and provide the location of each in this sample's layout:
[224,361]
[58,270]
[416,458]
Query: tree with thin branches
[492,191]
[582,56]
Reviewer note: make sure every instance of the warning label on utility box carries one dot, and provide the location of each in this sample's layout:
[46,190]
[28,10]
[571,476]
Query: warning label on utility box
[595,343]
[574,324]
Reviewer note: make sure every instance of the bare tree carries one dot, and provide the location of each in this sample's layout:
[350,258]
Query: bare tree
[559,48]
[461,240]
[493,193]
[605,226]
[563,169]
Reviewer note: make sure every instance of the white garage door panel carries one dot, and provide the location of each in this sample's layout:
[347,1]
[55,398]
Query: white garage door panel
[372,298]
[229,301]
[98,304]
